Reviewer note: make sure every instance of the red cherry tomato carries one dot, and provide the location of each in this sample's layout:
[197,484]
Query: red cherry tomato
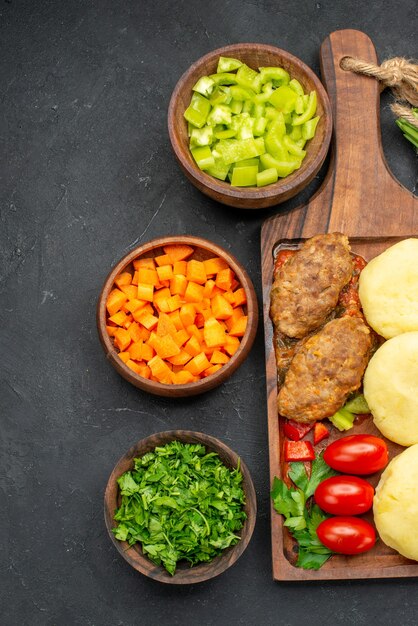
[357,454]
[344,495]
[346,535]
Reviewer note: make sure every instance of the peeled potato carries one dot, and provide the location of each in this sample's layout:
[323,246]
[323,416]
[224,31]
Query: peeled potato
[388,290]
[391,388]
[395,504]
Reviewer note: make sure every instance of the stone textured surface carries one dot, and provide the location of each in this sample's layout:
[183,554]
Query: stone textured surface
[86,173]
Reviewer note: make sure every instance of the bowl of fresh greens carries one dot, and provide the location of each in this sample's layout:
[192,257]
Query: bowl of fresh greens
[180,507]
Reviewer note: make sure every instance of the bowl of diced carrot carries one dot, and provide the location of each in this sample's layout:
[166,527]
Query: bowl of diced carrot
[177,316]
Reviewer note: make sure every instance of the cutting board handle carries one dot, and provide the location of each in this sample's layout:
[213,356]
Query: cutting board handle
[367,198]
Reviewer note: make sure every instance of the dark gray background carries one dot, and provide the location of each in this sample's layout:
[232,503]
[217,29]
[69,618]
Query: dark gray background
[87,173]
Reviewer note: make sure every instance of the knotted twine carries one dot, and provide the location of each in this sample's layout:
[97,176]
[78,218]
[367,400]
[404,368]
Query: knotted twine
[399,74]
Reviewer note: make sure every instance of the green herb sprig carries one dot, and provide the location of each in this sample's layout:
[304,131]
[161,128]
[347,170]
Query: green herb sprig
[180,502]
[302,516]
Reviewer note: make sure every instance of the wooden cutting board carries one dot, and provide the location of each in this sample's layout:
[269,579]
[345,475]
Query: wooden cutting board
[361,198]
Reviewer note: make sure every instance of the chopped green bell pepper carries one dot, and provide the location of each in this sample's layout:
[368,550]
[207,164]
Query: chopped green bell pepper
[201,136]
[276,74]
[246,78]
[220,114]
[241,93]
[236,106]
[224,78]
[203,157]
[309,128]
[293,147]
[297,87]
[227,64]
[198,110]
[219,170]
[283,99]
[309,111]
[244,176]
[284,168]
[267,177]
[205,85]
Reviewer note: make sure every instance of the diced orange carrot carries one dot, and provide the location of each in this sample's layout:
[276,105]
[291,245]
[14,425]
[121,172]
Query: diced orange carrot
[118,318]
[134,304]
[135,278]
[134,331]
[180,267]
[181,337]
[165,326]
[235,284]
[144,370]
[111,330]
[183,377]
[194,292]
[138,313]
[115,300]
[164,259]
[167,347]
[192,347]
[178,252]
[174,303]
[213,333]
[128,321]
[147,352]
[215,265]
[148,276]
[194,331]
[238,329]
[147,262]
[208,288]
[125,356]
[130,290]
[211,370]
[136,350]
[219,357]
[160,369]
[134,367]
[148,320]
[175,318]
[200,320]
[224,279]
[229,296]
[196,272]
[236,314]
[216,290]
[187,314]
[239,297]
[160,299]
[181,358]
[221,308]
[165,272]
[123,279]
[122,339]
[198,364]
[178,284]
[231,345]
[145,292]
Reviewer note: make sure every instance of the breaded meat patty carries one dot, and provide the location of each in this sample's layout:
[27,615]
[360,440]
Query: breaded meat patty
[325,370]
[307,286]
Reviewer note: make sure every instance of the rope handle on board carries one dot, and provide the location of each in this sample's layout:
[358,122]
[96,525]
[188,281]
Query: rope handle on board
[399,74]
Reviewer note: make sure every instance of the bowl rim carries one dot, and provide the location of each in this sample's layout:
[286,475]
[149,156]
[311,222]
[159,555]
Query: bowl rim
[282,186]
[210,569]
[204,384]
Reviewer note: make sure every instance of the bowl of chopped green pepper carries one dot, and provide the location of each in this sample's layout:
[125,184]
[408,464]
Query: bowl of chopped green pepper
[250,125]
[180,507]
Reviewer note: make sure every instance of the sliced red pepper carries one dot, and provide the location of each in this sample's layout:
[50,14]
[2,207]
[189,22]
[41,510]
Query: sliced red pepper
[296,430]
[320,432]
[298,451]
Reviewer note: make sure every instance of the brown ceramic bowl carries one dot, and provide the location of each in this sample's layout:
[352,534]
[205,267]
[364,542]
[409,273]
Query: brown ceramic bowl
[203,250]
[254,55]
[184,573]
